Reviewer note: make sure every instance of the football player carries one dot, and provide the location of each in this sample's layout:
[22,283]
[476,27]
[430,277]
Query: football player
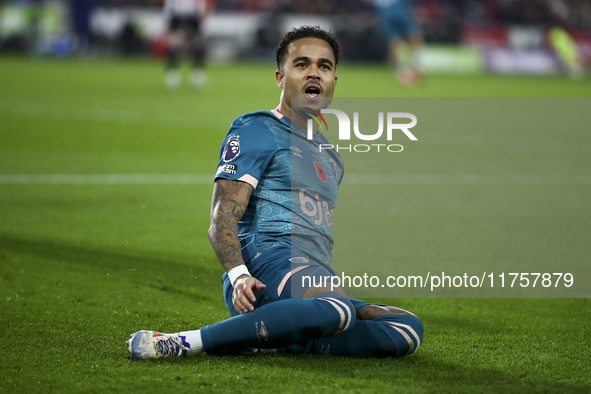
[184,20]
[271,222]
[401,29]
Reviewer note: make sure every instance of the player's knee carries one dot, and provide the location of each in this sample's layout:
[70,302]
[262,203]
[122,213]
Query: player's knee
[417,326]
[345,315]
[405,334]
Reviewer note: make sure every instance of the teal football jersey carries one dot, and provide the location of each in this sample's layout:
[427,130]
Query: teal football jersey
[295,185]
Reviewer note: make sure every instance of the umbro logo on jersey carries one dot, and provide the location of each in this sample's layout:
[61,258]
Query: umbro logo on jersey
[296,151]
[299,260]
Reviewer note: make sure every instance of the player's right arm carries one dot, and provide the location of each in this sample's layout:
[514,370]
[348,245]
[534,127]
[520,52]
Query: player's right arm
[229,202]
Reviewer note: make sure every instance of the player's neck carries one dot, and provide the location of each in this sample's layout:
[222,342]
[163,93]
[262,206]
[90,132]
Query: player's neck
[286,111]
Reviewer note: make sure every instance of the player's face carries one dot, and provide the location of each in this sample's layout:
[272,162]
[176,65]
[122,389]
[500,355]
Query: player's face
[308,72]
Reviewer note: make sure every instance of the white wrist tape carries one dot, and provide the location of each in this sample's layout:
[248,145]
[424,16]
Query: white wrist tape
[237,271]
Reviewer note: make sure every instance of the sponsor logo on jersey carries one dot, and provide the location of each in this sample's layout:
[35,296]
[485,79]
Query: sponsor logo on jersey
[232,148]
[315,208]
[228,169]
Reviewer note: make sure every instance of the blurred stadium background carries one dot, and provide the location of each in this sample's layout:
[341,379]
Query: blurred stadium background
[462,36]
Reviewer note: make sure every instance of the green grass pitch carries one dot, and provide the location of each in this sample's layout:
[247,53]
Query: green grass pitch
[88,258]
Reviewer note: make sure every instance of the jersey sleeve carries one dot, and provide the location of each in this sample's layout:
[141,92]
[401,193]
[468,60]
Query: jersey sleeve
[246,152]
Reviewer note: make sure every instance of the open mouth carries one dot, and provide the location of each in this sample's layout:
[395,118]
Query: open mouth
[312,91]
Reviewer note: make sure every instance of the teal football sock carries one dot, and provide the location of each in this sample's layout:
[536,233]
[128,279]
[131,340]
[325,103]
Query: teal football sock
[281,323]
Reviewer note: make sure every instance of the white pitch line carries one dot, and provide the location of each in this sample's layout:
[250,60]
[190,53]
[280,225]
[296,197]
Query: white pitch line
[350,179]
[468,179]
[111,115]
[106,179]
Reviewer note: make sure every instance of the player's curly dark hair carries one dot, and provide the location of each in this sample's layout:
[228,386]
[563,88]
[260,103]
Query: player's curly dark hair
[305,32]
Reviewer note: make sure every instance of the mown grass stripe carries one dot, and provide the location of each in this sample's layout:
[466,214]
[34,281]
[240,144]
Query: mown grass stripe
[353,179]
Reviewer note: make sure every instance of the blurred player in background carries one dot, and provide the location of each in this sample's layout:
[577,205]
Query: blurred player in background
[184,20]
[402,31]
[267,240]
[80,21]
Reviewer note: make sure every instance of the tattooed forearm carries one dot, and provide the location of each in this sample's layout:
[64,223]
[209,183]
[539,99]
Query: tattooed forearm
[230,199]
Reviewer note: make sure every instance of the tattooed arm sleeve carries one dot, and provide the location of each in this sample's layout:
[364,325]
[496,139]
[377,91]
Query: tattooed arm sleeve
[230,199]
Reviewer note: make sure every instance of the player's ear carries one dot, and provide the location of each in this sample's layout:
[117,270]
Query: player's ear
[279,78]
[335,81]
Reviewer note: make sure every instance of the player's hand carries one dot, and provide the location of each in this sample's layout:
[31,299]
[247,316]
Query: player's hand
[243,295]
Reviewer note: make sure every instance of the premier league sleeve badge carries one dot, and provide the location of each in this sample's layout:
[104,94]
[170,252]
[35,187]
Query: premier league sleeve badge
[232,148]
